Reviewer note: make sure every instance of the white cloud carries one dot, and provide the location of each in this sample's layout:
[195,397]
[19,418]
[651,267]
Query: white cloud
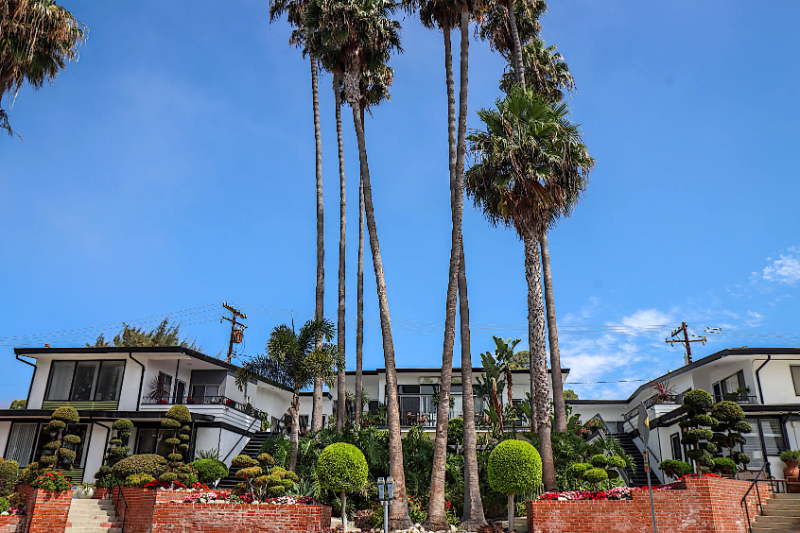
[641,322]
[754,319]
[786,269]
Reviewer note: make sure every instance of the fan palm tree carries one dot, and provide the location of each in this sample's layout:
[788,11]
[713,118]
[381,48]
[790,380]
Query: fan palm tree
[531,167]
[296,361]
[294,10]
[366,36]
[37,39]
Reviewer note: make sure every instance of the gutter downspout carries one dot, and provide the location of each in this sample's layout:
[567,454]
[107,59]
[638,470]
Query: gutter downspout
[108,436]
[141,380]
[758,378]
[28,398]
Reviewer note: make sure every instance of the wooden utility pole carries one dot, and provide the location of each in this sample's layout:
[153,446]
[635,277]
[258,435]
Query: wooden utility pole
[236,334]
[685,340]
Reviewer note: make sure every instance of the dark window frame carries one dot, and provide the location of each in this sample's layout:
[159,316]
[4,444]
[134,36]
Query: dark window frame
[794,382]
[678,448]
[74,371]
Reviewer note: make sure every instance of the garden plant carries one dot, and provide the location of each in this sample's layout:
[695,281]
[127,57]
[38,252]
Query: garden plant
[514,467]
[342,468]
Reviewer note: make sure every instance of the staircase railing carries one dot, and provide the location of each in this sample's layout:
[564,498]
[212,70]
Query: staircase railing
[121,497]
[758,479]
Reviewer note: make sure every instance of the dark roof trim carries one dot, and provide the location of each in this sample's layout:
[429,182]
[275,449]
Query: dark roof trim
[94,414]
[438,370]
[670,418]
[593,402]
[142,349]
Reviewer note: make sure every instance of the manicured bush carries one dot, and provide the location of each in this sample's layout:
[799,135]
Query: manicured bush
[16,500]
[138,480]
[728,432]
[180,413]
[149,463]
[790,456]
[210,470]
[615,462]
[696,404]
[177,433]
[9,474]
[34,470]
[674,468]
[725,465]
[514,466]
[4,505]
[256,474]
[66,414]
[578,469]
[594,476]
[342,468]
[599,461]
[60,451]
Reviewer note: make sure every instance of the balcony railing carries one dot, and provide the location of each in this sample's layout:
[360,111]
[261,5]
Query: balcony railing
[206,400]
[677,399]
[428,420]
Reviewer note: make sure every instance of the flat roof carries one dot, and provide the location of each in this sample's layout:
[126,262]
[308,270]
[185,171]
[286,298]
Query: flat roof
[31,352]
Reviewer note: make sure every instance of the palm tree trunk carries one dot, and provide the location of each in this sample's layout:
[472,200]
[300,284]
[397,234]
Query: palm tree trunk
[538,356]
[316,413]
[360,304]
[559,406]
[472,517]
[437,519]
[517,52]
[340,333]
[294,433]
[398,514]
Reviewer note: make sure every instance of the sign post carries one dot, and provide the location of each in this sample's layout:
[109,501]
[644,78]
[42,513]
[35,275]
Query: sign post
[644,434]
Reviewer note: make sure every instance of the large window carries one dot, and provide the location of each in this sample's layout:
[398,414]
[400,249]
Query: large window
[27,441]
[730,387]
[85,380]
[770,430]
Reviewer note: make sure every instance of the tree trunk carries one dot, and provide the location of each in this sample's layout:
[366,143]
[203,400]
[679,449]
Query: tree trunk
[511,512]
[360,304]
[559,406]
[540,396]
[398,514]
[340,332]
[437,518]
[344,514]
[294,433]
[319,310]
[517,51]
[472,517]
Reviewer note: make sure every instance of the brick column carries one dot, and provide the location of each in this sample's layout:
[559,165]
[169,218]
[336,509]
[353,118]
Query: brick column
[47,511]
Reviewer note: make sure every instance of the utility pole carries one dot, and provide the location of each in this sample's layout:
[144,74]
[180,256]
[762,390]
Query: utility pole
[236,334]
[685,340]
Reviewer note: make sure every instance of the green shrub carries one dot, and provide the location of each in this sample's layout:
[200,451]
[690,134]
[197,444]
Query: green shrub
[148,463]
[71,439]
[790,456]
[9,474]
[33,471]
[616,462]
[4,505]
[725,465]
[51,481]
[122,425]
[138,480]
[455,431]
[243,461]
[210,470]
[595,476]
[514,467]
[179,413]
[578,469]
[66,414]
[341,467]
[698,399]
[16,500]
[674,468]
[265,459]
[599,460]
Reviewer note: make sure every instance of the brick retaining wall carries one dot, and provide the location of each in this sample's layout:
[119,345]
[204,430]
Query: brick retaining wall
[46,511]
[151,511]
[696,505]
[12,524]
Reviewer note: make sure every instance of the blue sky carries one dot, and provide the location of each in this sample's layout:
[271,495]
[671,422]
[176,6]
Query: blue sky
[172,168]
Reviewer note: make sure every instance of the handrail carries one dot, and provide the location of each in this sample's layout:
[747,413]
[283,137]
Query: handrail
[240,439]
[206,400]
[766,469]
[116,506]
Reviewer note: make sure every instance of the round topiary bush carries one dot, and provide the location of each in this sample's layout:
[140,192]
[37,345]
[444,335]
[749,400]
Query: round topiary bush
[698,399]
[725,465]
[210,470]
[9,474]
[599,460]
[595,476]
[675,468]
[180,413]
[148,463]
[123,424]
[514,466]
[341,467]
[66,414]
[138,480]
[578,469]
[616,461]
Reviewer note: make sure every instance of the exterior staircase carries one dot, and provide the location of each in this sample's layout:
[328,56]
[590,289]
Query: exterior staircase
[252,449]
[781,514]
[638,477]
[92,516]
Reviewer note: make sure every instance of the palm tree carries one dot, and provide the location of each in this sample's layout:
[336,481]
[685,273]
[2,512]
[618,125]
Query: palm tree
[366,35]
[340,334]
[296,361]
[445,14]
[531,167]
[37,39]
[294,10]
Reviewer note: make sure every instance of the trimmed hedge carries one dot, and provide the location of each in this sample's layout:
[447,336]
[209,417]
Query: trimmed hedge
[180,413]
[148,463]
[675,468]
[210,470]
[341,467]
[514,466]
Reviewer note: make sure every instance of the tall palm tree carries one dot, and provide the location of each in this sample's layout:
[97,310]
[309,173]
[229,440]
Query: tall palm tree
[37,39]
[444,15]
[294,10]
[531,167]
[296,361]
[366,36]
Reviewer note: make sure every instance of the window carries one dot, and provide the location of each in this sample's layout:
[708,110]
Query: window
[675,443]
[20,443]
[770,430]
[81,430]
[796,379]
[85,380]
[730,386]
[180,391]
[303,422]
[204,393]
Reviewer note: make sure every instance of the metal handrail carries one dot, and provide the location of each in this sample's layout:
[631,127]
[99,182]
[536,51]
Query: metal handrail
[772,481]
[205,400]
[116,506]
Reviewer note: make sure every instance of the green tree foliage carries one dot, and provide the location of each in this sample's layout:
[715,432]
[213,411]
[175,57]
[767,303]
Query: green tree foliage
[728,433]
[514,467]
[118,448]
[176,444]
[9,474]
[570,394]
[37,39]
[18,404]
[674,468]
[342,468]
[696,435]
[147,463]
[209,470]
[164,334]
[60,452]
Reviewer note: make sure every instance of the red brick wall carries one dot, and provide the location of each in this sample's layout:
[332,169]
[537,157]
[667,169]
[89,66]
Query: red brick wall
[705,505]
[164,512]
[12,524]
[47,511]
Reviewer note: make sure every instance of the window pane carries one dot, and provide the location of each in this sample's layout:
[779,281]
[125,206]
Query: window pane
[147,441]
[677,452]
[796,379]
[20,443]
[773,437]
[110,381]
[81,430]
[753,447]
[60,380]
[85,375]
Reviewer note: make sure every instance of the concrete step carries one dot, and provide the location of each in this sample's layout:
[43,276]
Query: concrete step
[777,521]
[91,504]
[783,504]
[757,529]
[776,511]
[93,530]
[101,517]
[93,523]
[789,496]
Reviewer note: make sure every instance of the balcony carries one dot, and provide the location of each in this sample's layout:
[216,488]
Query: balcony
[189,401]
[742,398]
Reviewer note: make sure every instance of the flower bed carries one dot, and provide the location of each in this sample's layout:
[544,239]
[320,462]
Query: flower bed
[617,493]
